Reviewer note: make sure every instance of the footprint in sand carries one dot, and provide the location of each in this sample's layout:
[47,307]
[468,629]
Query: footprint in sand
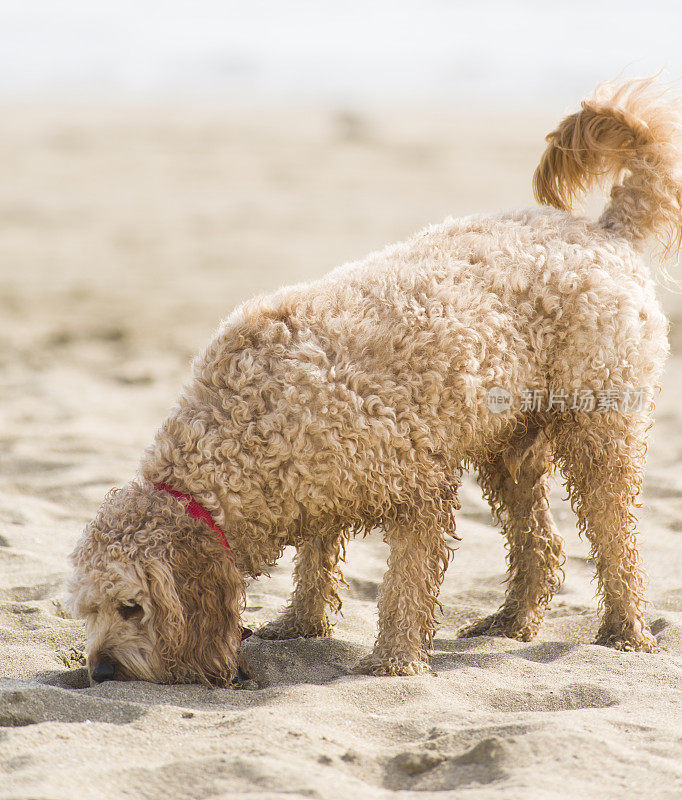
[23,703]
[570,698]
[668,635]
[279,663]
[363,589]
[441,769]
[38,591]
[291,661]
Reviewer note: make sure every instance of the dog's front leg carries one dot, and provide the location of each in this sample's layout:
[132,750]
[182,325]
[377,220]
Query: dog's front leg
[316,582]
[408,601]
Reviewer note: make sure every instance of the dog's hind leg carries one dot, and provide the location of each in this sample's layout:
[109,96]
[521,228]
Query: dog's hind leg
[516,484]
[316,582]
[602,457]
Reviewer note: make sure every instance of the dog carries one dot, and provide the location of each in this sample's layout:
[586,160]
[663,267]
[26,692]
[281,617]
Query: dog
[355,402]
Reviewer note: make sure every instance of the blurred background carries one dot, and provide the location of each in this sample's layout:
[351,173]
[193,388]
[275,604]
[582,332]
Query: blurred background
[520,54]
[161,161]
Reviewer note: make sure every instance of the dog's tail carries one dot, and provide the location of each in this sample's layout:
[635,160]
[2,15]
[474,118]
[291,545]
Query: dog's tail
[629,135]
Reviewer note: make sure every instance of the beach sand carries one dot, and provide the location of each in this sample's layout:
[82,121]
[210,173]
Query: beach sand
[125,235]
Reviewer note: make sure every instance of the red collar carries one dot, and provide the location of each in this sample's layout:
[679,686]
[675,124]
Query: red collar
[197,511]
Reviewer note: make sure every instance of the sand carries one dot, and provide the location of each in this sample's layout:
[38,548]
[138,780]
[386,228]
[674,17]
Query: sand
[125,235]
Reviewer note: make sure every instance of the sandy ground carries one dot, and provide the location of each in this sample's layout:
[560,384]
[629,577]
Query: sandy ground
[125,234]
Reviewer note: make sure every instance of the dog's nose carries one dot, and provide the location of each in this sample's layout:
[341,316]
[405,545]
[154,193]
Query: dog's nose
[104,670]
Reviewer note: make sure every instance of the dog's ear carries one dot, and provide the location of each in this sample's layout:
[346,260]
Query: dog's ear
[198,594]
[169,614]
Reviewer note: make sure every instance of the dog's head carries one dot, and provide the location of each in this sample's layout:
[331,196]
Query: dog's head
[160,597]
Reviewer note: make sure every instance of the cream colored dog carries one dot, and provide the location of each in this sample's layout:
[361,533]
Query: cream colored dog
[354,403]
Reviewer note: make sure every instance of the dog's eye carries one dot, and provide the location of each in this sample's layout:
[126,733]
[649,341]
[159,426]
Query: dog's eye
[130,610]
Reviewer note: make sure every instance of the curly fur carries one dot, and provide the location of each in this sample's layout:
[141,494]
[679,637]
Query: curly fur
[625,132]
[355,402]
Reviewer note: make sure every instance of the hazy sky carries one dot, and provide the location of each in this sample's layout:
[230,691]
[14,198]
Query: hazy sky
[348,51]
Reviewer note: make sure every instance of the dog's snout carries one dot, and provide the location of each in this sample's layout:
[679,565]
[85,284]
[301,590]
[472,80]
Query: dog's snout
[104,670]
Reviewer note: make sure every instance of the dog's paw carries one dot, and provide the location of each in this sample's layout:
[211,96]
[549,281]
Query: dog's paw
[376,664]
[500,624]
[290,627]
[641,642]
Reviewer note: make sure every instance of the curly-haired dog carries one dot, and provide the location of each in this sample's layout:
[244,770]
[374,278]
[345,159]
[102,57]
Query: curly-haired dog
[354,403]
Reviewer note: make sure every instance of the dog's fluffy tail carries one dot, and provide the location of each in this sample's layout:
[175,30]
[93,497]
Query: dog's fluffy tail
[629,135]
